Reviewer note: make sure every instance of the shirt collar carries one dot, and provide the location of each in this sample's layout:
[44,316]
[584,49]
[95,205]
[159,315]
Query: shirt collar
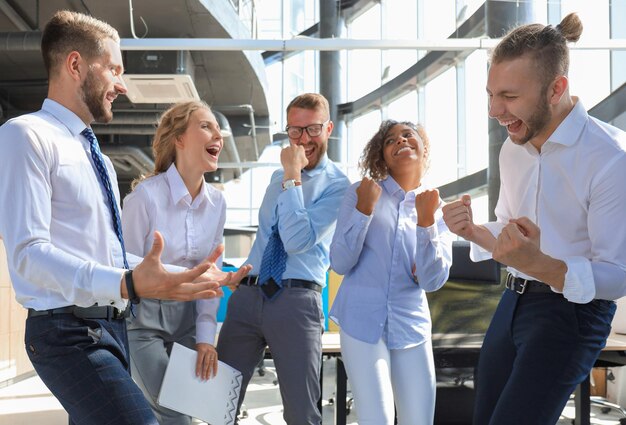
[568,132]
[66,117]
[178,189]
[392,186]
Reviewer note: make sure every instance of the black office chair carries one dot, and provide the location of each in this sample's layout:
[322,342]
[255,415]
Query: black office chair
[464,305]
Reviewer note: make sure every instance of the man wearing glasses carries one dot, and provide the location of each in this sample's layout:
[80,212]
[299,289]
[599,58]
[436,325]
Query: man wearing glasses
[280,305]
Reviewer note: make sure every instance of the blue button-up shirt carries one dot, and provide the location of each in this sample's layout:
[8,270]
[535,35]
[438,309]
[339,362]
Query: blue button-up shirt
[379,296]
[306,218]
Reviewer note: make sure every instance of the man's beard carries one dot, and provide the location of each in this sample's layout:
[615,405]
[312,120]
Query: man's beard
[93,96]
[537,121]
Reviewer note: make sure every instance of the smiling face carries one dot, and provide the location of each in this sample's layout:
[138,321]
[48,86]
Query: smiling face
[103,82]
[518,100]
[403,149]
[314,147]
[199,147]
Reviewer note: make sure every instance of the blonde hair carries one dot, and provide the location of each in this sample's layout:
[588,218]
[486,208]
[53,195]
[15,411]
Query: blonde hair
[69,31]
[172,124]
[311,101]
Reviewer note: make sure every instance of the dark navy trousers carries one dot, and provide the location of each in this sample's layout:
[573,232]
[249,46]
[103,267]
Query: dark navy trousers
[538,348]
[84,363]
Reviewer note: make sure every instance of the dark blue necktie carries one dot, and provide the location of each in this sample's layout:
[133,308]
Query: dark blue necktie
[98,161]
[274,259]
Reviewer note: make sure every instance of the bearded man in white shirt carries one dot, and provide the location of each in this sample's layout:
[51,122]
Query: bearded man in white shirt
[63,237]
[560,230]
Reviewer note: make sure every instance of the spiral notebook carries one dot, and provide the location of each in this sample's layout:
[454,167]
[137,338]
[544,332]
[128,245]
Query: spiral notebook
[213,401]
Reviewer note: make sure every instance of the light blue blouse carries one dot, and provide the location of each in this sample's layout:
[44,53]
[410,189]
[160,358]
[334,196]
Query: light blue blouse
[379,296]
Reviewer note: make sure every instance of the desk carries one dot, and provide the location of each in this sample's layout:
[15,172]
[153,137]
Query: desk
[614,354]
[461,351]
[450,351]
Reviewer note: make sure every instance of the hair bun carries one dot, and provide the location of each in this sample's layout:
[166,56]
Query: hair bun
[571,27]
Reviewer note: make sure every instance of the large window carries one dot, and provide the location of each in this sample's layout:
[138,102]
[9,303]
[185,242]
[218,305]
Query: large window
[453,105]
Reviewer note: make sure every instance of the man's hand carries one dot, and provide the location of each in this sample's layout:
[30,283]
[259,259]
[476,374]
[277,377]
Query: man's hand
[518,245]
[214,273]
[153,281]
[206,362]
[426,204]
[293,160]
[459,218]
[367,195]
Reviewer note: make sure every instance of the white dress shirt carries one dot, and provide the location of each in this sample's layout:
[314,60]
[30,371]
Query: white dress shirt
[380,295]
[191,228]
[55,219]
[575,191]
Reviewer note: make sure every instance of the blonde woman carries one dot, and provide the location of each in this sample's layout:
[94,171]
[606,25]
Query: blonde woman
[392,246]
[190,214]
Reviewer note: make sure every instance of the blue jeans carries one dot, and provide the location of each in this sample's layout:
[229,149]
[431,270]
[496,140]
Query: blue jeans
[84,363]
[538,348]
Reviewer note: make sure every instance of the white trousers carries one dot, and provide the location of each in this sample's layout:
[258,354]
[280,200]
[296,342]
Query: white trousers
[379,377]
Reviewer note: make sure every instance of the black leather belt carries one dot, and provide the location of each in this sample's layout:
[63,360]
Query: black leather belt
[522,286]
[286,283]
[94,312]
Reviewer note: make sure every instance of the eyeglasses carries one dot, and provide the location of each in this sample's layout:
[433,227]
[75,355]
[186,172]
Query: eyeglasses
[312,130]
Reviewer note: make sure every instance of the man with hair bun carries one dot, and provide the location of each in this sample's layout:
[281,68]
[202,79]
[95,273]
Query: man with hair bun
[559,230]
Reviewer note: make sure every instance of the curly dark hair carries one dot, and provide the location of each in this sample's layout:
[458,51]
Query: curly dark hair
[372,160]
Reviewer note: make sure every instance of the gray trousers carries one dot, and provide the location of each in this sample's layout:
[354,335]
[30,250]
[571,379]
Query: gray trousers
[151,334]
[291,325]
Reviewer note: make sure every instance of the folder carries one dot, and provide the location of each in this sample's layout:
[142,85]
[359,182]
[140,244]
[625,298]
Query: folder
[213,401]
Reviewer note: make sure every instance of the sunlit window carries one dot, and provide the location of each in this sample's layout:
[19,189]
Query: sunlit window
[441,128]
[452,106]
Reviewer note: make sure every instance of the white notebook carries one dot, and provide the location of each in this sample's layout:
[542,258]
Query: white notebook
[213,401]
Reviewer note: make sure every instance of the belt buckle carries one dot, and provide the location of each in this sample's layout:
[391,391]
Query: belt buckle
[519,288]
[523,286]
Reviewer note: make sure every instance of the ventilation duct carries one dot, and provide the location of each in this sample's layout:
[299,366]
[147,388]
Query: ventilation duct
[159,77]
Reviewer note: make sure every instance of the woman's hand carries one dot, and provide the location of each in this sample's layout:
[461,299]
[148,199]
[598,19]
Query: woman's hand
[206,362]
[426,204]
[367,195]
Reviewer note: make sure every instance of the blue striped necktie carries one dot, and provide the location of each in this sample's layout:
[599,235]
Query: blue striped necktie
[98,161]
[274,259]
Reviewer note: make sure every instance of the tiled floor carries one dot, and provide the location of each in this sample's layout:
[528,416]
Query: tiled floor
[28,402]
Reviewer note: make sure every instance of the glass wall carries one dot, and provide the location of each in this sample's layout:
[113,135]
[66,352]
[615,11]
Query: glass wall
[452,105]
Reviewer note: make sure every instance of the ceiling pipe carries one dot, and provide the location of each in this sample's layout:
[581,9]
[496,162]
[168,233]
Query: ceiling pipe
[31,40]
[20,41]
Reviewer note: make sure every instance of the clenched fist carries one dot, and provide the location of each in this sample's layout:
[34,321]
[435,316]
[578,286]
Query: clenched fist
[367,195]
[426,204]
[293,160]
[459,218]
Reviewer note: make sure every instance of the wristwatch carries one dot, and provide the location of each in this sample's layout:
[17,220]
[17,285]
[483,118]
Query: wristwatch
[288,184]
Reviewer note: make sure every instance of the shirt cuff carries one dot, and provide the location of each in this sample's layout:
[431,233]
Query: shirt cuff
[579,286]
[290,200]
[206,320]
[106,286]
[426,234]
[205,332]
